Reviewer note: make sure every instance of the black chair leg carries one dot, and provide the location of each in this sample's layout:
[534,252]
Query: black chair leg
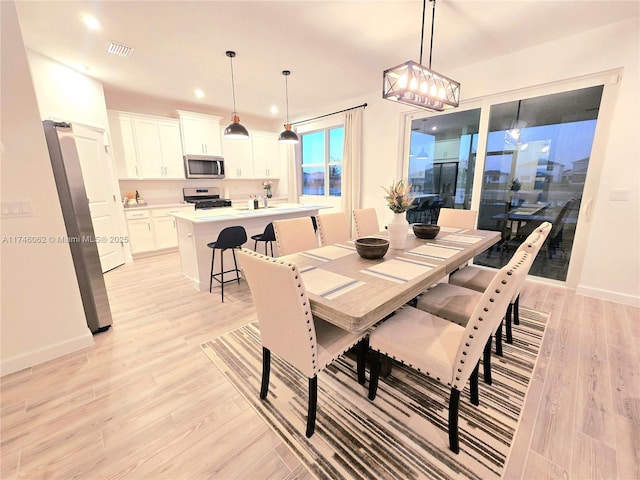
[374,375]
[486,362]
[508,318]
[222,274]
[473,386]
[516,311]
[255,245]
[313,401]
[454,404]
[213,257]
[363,348]
[499,340]
[235,263]
[266,369]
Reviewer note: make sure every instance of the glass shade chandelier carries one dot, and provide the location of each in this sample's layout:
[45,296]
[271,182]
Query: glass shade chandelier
[235,128]
[414,84]
[287,135]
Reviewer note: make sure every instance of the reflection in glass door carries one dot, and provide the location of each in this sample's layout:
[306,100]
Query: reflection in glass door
[537,157]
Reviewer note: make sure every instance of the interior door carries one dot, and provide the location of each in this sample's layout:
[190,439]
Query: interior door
[103,199]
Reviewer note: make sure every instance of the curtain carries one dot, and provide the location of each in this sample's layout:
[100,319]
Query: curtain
[292,174]
[352,164]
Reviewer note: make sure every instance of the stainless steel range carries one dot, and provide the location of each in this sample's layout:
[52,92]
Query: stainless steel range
[205,197]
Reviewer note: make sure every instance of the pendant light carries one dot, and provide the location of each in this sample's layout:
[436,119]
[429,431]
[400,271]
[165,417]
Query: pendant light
[235,128]
[287,135]
[413,84]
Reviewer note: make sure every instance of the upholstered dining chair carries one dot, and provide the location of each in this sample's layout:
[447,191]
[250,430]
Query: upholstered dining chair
[288,328]
[456,303]
[366,222]
[294,235]
[333,228]
[457,218]
[477,278]
[443,350]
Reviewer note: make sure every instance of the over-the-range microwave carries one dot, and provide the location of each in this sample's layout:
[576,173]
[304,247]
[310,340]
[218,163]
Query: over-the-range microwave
[203,166]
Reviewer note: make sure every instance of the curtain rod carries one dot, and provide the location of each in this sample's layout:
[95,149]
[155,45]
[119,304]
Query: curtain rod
[364,105]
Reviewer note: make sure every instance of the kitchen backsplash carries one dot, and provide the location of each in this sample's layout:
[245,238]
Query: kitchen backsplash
[170,191]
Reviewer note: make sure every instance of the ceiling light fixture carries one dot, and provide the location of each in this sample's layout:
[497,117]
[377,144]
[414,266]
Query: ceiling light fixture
[235,128]
[91,22]
[287,135]
[413,84]
[198,93]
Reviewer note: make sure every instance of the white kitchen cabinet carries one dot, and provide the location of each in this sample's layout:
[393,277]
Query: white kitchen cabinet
[153,229]
[255,157]
[164,226]
[123,145]
[200,134]
[159,148]
[145,146]
[141,238]
[266,155]
[238,157]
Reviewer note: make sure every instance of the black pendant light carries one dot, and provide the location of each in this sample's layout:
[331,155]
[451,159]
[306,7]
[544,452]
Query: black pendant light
[235,128]
[414,84]
[287,135]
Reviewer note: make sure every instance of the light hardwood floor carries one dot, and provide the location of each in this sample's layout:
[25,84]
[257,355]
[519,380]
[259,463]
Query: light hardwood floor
[145,402]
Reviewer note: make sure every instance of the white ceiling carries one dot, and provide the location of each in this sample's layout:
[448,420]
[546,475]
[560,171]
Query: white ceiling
[336,50]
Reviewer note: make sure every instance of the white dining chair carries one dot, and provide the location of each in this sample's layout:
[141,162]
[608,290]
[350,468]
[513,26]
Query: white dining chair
[294,235]
[333,228]
[477,278]
[365,221]
[457,218]
[443,350]
[290,330]
[456,303]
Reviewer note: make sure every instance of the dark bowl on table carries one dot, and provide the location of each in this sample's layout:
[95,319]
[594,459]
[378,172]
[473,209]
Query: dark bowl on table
[372,248]
[425,231]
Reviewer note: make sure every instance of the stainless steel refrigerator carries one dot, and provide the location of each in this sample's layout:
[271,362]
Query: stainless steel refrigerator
[77,218]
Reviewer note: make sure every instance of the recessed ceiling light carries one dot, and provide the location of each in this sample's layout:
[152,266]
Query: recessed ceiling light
[91,22]
[198,93]
[119,49]
[434,128]
[274,109]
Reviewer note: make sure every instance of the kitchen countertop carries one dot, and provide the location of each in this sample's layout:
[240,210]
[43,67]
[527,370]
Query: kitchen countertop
[158,205]
[239,212]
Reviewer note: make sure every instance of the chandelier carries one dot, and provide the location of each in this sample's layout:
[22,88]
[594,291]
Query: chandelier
[414,84]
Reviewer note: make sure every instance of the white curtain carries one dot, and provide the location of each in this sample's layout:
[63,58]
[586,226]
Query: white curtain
[352,164]
[292,173]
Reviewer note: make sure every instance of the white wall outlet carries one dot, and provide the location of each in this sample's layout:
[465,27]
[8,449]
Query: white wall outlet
[619,195]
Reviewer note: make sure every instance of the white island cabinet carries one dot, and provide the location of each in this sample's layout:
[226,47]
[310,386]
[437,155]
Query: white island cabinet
[198,228]
[200,134]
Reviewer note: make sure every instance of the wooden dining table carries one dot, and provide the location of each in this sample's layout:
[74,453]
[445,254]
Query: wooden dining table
[355,293]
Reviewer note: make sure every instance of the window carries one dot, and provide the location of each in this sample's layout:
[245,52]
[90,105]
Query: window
[321,152]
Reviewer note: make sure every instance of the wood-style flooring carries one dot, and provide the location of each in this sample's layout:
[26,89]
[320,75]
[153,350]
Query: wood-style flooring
[145,403]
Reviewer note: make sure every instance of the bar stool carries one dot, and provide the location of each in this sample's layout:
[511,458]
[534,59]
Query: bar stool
[268,237]
[228,238]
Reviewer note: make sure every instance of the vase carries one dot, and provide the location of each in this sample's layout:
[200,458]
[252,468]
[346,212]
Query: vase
[269,194]
[398,230]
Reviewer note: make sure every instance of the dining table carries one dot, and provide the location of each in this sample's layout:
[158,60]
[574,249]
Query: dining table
[355,293]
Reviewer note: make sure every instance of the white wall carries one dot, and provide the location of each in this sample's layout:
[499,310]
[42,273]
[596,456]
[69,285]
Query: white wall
[42,315]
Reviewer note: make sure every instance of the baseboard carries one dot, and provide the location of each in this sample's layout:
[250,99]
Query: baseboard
[609,295]
[44,354]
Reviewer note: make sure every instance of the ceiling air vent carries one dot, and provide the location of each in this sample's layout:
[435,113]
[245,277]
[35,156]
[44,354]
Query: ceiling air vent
[118,49]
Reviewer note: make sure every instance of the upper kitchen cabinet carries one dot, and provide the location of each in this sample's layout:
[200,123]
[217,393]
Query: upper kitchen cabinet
[145,146]
[200,134]
[255,157]
[238,157]
[266,155]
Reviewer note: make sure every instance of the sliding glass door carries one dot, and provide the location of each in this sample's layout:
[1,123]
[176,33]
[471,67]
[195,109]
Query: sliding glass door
[534,163]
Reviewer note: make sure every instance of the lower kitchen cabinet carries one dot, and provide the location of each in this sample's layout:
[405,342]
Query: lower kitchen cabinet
[153,229]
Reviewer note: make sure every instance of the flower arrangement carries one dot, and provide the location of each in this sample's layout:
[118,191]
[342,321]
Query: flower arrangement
[267,184]
[398,196]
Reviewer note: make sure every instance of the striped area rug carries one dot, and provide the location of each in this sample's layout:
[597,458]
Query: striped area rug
[403,433]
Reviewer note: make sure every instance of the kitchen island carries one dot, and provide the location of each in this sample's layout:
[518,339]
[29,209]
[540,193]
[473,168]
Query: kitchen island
[199,227]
